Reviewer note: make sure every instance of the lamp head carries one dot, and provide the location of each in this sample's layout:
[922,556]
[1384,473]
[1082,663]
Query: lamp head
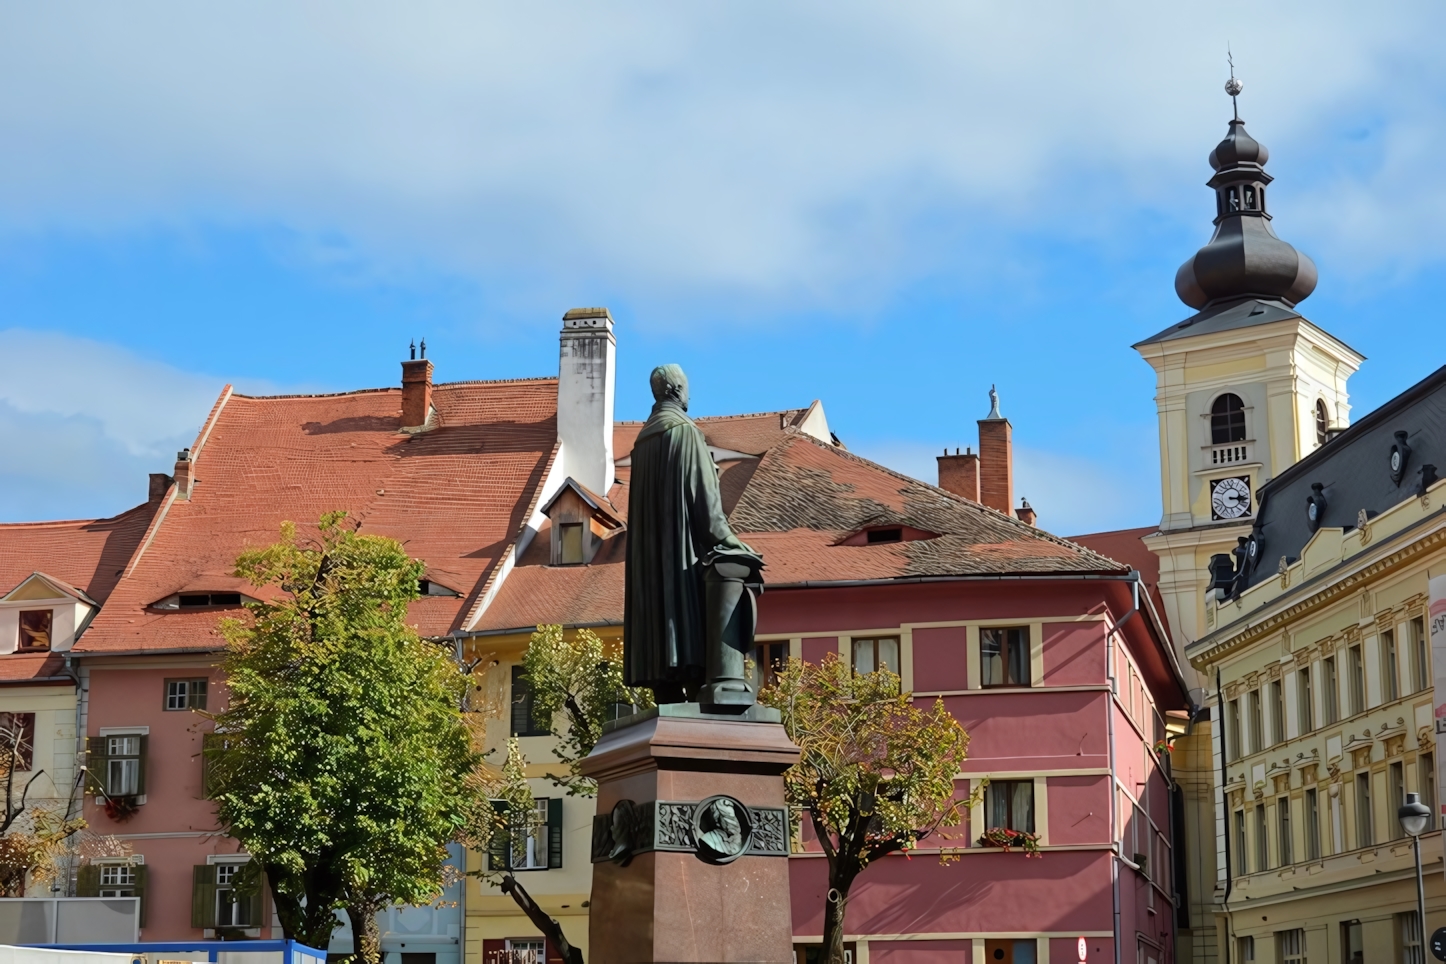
[1414,815]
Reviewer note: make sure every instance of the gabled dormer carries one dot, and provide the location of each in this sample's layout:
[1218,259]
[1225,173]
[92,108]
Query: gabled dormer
[581,519]
[43,614]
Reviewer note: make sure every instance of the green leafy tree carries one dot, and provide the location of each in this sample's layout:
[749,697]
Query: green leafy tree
[344,762]
[876,774]
[577,686]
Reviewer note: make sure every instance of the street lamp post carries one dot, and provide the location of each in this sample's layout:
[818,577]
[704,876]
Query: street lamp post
[1414,816]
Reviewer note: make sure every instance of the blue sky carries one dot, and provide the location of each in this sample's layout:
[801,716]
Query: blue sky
[885,206]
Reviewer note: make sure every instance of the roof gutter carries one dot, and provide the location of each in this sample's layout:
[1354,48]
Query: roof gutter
[477,633]
[915,580]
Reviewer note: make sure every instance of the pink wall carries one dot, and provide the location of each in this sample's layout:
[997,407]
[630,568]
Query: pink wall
[1056,726]
[941,660]
[174,802]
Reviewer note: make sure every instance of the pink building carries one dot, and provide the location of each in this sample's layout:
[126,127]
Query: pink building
[1052,656]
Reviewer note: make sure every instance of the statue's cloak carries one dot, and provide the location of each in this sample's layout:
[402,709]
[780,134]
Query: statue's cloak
[675,519]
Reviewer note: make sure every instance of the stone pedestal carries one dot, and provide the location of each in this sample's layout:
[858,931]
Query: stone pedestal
[690,845]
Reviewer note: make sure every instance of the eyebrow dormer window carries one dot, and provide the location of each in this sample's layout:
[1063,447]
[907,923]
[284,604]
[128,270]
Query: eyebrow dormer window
[195,600]
[895,534]
[35,629]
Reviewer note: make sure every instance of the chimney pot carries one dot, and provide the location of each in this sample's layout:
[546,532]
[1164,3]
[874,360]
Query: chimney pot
[160,482]
[185,474]
[416,391]
[996,459]
[959,474]
[586,375]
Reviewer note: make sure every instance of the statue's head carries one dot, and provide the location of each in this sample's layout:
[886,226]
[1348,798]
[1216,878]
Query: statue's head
[670,384]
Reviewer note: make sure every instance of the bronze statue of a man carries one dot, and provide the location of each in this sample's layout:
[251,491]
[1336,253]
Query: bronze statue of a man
[689,612]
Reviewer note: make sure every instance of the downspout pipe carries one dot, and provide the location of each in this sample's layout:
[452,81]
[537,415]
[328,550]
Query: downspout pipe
[1114,784]
[1225,816]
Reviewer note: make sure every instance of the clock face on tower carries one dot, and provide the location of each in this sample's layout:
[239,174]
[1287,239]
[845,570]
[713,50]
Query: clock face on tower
[1229,498]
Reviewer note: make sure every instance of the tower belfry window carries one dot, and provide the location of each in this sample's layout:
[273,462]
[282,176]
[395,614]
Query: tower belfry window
[1250,197]
[1227,420]
[1322,421]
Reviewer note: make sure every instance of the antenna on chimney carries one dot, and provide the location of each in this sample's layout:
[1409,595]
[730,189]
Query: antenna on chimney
[424,348]
[414,350]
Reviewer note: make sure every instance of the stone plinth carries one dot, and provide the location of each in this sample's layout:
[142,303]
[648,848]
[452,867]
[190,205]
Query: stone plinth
[666,895]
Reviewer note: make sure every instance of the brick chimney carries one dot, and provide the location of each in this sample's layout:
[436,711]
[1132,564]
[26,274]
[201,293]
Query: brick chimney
[960,474]
[185,474]
[586,374]
[160,483]
[1026,514]
[996,459]
[416,390]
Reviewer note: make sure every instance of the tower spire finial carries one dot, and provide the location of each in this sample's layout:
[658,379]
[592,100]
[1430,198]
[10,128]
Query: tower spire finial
[1233,87]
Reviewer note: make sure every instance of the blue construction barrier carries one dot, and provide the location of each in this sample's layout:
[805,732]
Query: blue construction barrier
[216,952]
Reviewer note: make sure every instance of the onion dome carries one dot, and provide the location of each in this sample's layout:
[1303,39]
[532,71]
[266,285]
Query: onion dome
[1244,258]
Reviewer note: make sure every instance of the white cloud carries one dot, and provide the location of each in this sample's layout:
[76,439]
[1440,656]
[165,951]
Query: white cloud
[789,152]
[139,405]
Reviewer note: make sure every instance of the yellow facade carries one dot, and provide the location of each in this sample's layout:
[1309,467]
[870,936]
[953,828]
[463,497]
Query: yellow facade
[562,892]
[1280,370]
[1326,725]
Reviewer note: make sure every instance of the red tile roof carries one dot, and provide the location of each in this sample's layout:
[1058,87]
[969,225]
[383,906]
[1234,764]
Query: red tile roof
[455,495]
[88,554]
[795,505]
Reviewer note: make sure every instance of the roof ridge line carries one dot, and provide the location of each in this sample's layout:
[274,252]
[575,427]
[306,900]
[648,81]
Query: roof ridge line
[1030,530]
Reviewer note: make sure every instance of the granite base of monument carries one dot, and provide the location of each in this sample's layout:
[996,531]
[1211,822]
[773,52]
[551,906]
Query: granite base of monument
[691,841]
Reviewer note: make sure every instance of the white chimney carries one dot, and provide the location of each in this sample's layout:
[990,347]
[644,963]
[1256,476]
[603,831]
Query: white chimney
[585,388]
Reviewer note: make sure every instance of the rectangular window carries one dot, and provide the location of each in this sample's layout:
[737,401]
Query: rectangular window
[1312,825]
[1262,840]
[769,658]
[523,723]
[1234,751]
[1396,793]
[1306,706]
[1357,680]
[1009,804]
[1413,948]
[1420,656]
[1282,829]
[232,909]
[529,839]
[123,766]
[1240,865]
[34,629]
[1330,690]
[1291,946]
[1245,948]
[1426,778]
[1365,822]
[1004,656]
[17,741]
[570,543]
[1256,721]
[872,655]
[1390,668]
[117,880]
[1277,712]
[1353,943]
[185,694]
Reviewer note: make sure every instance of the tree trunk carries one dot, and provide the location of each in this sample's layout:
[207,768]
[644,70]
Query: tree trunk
[834,907]
[366,936]
[550,928]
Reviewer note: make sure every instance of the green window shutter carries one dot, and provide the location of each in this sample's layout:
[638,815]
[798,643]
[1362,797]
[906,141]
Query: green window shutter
[499,848]
[554,833]
[87,881]
[203,896]
[141,779]
[95,764]
[140,870]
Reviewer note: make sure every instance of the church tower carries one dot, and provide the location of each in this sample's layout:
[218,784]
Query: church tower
[1245,387]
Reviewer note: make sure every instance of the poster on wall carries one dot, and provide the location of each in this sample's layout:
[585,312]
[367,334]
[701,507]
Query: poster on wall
[1437,620]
